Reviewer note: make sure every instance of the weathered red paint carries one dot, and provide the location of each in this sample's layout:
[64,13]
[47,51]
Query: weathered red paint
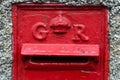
[58,42]
[59,50]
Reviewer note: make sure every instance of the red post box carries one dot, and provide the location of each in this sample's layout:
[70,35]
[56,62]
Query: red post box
[58,42]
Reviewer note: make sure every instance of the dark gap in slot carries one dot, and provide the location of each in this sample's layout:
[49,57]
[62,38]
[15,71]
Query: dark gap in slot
[59,59]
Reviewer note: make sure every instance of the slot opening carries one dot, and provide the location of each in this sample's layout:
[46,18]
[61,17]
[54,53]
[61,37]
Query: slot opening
[61,59]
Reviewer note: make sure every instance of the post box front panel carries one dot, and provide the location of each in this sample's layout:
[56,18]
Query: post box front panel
[58,42]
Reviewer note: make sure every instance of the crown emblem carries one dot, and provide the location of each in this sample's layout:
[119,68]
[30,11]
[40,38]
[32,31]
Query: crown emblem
[60,24]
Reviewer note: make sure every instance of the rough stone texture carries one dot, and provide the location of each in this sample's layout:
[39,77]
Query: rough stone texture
[6,32]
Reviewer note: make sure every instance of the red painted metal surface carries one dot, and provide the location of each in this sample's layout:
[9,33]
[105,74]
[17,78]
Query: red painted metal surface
[58,42]
[59,50]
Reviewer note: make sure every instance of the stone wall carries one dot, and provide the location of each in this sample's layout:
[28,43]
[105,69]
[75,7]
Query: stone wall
[6,32]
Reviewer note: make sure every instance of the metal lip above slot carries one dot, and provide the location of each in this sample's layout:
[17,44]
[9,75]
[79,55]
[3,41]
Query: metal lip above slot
[60,50]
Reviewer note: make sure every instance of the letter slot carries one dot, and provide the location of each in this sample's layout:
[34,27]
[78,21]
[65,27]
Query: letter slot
[57,56]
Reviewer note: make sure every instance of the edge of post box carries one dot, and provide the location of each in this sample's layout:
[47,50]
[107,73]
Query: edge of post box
[58,5]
